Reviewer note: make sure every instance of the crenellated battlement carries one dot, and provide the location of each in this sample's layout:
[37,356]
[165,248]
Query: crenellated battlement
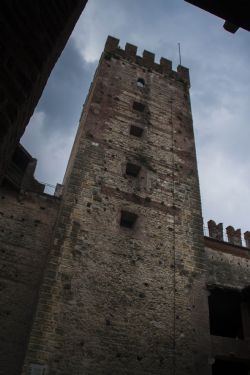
[147,59]
[234,236]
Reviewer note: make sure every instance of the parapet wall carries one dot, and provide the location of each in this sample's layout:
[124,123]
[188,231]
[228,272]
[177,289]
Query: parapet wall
[147,59]
[234,236]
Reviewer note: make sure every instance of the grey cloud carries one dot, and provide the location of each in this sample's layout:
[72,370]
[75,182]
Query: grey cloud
[67,87]
[52,128]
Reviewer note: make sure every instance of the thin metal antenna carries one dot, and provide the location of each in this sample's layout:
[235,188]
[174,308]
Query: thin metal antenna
[179,47]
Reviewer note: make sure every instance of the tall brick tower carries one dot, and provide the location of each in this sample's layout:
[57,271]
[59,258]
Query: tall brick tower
[124,288]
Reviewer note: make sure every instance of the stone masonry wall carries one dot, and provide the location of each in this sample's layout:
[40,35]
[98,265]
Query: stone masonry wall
[228,270]
[33,34]
[118,300]
[26,224]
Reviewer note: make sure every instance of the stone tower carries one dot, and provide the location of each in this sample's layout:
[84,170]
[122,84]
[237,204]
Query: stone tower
[124,289]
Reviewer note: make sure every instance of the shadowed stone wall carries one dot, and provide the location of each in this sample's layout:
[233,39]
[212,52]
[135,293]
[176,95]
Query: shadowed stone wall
[26,225]
[33,34]
[227,269]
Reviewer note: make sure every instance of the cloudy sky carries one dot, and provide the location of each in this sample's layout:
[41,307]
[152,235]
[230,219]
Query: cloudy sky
[219,69]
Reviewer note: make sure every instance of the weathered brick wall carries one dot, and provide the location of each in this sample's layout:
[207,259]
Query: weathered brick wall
[32,36]
[117,300]
[228,265]
[228,269]
[26,224]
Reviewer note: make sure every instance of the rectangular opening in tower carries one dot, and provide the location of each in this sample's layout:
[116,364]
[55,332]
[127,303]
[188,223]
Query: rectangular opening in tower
[128,219]
[132,169]
[138,106]
[221,367]
[136,131]
[36,369]
[225,313]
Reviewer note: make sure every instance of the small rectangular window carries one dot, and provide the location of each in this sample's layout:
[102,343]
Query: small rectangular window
[128,219]
[225,313]
[36,369]
[221,367]
[138,106]
[136,131]
[132,169]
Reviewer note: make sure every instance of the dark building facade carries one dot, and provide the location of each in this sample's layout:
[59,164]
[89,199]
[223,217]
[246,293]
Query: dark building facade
[33,34]
[124,281]
[235,13]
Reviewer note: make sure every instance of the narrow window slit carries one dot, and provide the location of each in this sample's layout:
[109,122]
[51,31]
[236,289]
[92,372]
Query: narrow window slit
[138,106]
[136,131]
[128,219]
[132,169]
